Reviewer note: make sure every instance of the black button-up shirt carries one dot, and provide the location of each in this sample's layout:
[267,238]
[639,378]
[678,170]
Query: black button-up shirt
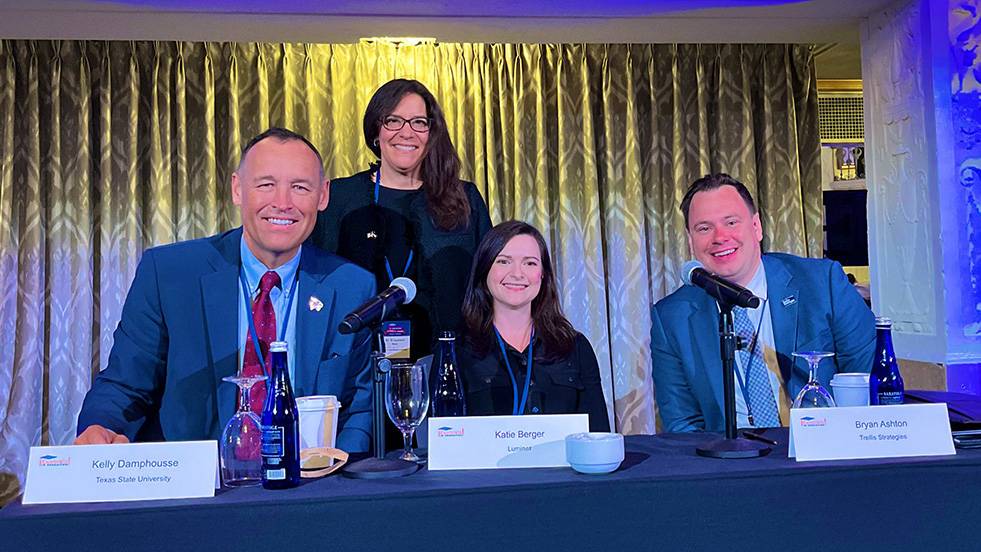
[566,385]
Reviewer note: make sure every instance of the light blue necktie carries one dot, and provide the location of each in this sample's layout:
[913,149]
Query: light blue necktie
[762,405]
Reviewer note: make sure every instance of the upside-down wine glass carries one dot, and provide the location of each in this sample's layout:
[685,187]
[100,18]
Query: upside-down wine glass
[241,463]
[813,395]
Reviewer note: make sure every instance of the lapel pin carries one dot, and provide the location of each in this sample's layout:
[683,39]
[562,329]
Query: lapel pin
[315,304]
[371,235]
[789,300]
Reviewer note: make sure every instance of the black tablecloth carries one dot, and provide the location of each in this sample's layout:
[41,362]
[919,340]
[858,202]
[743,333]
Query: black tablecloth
[663,497]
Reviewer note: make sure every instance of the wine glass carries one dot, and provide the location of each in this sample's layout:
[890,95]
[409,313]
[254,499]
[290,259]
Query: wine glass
[407,401]
[241,463]
[813,395]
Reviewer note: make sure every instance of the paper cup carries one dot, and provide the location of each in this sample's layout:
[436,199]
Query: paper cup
[318,420]
[850,389]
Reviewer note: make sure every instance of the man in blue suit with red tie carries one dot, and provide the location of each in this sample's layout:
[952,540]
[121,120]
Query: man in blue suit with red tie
[185,322]
[808,305]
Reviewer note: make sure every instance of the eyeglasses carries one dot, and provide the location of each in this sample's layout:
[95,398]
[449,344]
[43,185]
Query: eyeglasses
[418,124]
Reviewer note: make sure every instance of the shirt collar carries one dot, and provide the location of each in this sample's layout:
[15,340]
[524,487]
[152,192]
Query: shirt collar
[538,346]
[254,269]
[757,284]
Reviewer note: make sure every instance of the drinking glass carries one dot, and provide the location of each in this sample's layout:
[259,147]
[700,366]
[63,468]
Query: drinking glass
[241,463]
[407,401]
[813,395]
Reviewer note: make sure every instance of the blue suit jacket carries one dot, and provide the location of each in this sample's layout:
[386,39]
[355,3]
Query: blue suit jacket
[177,338]
[812,307]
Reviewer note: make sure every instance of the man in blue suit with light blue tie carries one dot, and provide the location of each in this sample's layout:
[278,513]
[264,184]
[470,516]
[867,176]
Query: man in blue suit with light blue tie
[185,323]
[808,305]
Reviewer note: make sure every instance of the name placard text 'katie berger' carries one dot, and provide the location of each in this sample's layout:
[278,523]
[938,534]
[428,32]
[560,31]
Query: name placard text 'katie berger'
[489,442]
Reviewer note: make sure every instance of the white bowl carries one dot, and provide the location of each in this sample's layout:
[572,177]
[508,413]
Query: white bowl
[594,453]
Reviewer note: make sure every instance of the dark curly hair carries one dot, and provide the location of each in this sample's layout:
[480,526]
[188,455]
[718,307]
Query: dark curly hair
[440,172]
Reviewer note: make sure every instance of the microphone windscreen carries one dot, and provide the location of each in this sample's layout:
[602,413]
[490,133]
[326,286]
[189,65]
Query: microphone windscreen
[408,286]
[688,268]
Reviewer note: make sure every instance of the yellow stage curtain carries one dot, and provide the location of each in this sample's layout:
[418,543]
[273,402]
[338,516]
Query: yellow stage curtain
[107,148]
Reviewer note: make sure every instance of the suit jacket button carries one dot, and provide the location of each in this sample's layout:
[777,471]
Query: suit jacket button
[487,380]
[534,410]
[571,379]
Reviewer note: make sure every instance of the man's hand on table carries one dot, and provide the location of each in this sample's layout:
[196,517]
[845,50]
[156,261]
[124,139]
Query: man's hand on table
[98,435]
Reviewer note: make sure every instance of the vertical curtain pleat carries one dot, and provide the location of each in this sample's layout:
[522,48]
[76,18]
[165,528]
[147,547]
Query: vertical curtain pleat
[23,421]
[69,263]
[107,148]
[578,223]
[158,195]
[803,93]
[184,194]
[8,229]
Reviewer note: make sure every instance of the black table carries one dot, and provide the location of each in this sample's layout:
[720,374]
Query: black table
[664,497]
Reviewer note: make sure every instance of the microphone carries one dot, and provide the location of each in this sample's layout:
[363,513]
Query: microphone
[374,310]
[694,273]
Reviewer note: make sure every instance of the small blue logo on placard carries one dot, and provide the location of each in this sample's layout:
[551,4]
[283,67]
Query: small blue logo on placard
[52,460]
[810,421]
[447,431]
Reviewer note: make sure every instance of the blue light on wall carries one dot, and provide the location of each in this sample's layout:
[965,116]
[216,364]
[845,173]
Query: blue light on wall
[961,199]
[965,37]
[564,9]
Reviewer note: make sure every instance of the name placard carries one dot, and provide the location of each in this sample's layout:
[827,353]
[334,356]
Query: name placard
[133,471]
[490,442]
[855,432]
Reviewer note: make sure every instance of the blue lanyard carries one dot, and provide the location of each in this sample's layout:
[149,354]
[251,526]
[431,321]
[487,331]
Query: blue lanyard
[749,363]
[246,297]
[388,265]
[517,409]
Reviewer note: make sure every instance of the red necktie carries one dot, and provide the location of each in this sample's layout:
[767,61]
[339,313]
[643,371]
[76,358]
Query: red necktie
[264,318]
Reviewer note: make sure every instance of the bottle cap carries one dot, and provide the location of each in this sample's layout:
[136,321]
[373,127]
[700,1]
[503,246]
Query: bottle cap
[883,322]
[278,347]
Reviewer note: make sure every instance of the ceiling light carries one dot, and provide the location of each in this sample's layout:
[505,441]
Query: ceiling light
[398,40]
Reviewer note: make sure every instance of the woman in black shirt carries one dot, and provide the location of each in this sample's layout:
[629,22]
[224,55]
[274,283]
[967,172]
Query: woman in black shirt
[409,214]
[520,355]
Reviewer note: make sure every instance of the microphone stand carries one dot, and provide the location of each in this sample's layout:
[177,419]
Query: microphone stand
[730,446]
[377,466]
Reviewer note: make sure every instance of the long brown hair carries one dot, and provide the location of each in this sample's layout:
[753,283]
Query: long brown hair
[440,171]
[551,325]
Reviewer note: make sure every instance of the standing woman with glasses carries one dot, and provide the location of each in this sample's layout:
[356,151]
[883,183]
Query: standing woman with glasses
[409,214]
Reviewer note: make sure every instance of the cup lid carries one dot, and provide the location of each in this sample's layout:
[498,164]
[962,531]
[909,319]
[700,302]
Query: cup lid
[850,379]
[317,402]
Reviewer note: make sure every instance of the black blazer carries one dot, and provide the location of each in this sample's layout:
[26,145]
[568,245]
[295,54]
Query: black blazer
[567,385]
[351,226]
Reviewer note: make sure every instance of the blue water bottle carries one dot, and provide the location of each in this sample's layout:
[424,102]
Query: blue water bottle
[280,426]
[885,382]
[448,398]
